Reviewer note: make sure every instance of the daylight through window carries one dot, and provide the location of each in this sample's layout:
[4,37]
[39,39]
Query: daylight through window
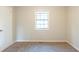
[41,22]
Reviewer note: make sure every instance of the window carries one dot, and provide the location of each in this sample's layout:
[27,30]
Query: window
[41,22]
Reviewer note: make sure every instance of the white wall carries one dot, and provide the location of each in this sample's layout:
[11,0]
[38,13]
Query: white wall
[25,23]
[73,27]
[6,17]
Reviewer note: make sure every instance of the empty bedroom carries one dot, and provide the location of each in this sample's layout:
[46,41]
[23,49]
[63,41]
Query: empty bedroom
[39,29]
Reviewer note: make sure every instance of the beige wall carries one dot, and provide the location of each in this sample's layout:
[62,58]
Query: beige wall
[6,24]
[13,24]
[73,26]
[25,23]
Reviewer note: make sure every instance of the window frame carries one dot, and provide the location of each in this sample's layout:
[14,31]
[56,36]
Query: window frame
[43,13]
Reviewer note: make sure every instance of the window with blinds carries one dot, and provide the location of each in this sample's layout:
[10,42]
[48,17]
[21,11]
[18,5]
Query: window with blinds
[41,22]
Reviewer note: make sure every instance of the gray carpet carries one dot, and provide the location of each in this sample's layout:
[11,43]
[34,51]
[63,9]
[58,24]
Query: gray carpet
[40,47]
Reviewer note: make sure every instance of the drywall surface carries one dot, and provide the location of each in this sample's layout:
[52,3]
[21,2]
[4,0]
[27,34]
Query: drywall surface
[73,26]
[25,24]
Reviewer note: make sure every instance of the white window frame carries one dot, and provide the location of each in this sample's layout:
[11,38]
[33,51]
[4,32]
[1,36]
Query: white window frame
[41,13]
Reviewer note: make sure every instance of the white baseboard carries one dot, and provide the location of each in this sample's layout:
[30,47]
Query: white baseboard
[73,45]
[41,41]
[6,46]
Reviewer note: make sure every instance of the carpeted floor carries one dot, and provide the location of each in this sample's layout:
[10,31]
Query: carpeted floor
[40,47]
